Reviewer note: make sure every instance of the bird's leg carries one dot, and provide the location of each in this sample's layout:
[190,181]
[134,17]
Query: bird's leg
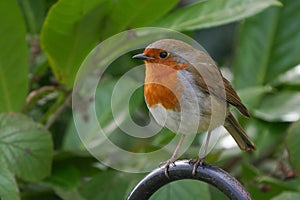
[174,156]
[201,159]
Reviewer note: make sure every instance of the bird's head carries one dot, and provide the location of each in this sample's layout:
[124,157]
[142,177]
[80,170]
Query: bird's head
[168,52]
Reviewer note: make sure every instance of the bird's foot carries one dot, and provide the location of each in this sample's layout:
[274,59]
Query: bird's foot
[198,162]
[167,164]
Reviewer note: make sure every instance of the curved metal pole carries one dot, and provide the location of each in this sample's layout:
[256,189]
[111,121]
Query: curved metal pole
[183,170]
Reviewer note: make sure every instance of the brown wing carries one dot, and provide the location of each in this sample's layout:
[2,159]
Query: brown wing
[209,78]
[234,99]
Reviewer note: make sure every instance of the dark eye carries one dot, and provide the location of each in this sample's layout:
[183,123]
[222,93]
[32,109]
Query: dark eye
[163,54]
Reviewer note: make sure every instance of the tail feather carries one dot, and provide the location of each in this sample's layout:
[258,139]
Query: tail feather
[238,134]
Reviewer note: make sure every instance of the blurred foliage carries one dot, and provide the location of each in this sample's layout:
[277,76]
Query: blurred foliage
[43,44]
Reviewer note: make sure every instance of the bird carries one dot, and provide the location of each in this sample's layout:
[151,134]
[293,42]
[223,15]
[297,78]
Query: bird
[186,92]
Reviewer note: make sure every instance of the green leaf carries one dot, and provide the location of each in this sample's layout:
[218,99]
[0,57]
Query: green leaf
[8,186]
[111,184]
[268,45]
[69,173]
[265,135]
[217,194]
[292,141]
[68,194]
[13,58]
[131,14]
[65,180]
[65,176]
[251,96]
[71,30]
[282,106]
[183,189]
[290,77]
[211,13]
[25,146]
[72,140]
[34,13]
[249,172]
[281,185]
[285,52]
[287,196]
[274,187]
[254,45]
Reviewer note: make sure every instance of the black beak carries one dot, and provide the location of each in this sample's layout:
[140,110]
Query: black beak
[142,56]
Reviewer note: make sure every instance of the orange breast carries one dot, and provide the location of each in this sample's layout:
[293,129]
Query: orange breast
[162,86]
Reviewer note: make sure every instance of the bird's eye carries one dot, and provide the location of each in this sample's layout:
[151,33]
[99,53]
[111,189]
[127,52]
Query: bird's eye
[163,54]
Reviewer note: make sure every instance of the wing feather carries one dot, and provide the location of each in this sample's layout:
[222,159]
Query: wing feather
[210,79]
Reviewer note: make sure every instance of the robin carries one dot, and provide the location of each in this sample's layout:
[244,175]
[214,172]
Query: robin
[186,92]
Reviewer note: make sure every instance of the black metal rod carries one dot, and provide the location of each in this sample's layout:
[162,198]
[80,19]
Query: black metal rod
[183,170]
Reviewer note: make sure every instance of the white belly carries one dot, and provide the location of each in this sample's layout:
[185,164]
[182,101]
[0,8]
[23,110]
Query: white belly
[195,110]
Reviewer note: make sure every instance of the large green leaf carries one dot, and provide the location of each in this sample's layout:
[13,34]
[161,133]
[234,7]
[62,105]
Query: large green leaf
[254,45]
[268,45]
[252,95]
[285,52]
[183,189]
[290,77]
[65,179]
[273,186]
[34,13]
[249,172]
[111,184]
[71,30]
[287,196]
[210,13]
[292,142]
[65,176]
[69,173]
[281,106]
[25,146]
[8,186]
[265,135]
[72,141]
[135,13]
[13,57]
